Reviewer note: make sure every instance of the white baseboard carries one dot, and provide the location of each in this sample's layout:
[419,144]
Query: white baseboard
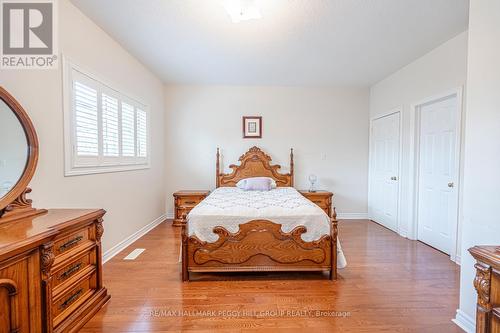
[403,233]
[132,238]
[352,216]
[465,322]
[344,216]
[456,259]
[341,216]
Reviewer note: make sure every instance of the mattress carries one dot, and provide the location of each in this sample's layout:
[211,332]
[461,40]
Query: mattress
[230,206]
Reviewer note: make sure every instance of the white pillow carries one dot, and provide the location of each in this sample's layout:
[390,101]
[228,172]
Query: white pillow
[256,184]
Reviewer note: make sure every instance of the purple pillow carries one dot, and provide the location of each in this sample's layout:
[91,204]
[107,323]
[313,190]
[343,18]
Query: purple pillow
[255,184]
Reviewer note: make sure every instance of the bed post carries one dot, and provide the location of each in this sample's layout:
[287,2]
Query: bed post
[334,233]
[184,240]
[217,170]
[291,167]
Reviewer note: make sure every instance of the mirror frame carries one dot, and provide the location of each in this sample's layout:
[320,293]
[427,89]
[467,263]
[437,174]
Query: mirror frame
[21,187]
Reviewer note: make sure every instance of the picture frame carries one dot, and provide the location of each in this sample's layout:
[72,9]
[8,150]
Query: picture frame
[252,127]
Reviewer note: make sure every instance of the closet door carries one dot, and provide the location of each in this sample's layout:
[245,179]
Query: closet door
[438,172]
[384,173]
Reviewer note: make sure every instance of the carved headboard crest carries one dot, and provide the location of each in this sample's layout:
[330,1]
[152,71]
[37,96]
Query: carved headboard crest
[254,163]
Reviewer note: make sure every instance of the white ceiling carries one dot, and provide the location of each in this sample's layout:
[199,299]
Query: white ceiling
[297,42]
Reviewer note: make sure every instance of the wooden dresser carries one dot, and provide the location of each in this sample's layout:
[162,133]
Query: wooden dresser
[184,201]
[321,198]
[51,271]
[487,284]
[50,260]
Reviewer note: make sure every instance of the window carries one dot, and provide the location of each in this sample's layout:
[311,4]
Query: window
[105,130]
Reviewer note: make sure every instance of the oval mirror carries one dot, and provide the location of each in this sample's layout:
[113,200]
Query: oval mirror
[13,149]
[18,149]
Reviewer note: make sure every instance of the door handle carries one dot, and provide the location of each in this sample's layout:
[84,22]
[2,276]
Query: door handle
[451,184]
[394,178]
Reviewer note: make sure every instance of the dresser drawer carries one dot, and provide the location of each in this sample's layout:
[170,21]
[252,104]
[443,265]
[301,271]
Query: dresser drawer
[64,304]
[322,202]
[189,201]
[72,241]
[184,201]
[69,272]
[321,198]
[181,213]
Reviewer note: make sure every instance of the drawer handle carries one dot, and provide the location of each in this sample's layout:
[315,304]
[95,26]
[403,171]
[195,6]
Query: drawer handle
[70,271]
[70,299]
[70,243]
[190,202]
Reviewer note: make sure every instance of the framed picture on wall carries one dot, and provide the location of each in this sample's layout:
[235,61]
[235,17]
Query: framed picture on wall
[252,127]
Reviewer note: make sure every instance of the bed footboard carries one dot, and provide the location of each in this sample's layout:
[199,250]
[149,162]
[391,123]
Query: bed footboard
[259,245]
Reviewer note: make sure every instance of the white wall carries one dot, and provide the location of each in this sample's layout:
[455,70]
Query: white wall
[132,198]
[481,223]
[316,122]
[437,72]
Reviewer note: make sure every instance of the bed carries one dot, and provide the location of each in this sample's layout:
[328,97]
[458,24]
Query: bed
[249,231]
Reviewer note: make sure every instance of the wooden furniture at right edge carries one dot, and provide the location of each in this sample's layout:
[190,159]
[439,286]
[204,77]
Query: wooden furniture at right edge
[487,284]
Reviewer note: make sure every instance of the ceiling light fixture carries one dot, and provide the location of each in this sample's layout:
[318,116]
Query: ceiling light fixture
[242,10]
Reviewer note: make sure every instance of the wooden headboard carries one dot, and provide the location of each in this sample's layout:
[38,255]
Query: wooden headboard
[254,163]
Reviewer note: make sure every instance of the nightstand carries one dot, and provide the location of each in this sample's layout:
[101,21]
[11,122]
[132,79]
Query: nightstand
[321,198]
[184,201]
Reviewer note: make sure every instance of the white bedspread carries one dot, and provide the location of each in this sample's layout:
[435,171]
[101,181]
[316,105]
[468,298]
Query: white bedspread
[230,206]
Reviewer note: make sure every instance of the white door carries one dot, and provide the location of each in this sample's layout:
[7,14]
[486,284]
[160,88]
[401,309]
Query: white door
[384,178]
[438,172]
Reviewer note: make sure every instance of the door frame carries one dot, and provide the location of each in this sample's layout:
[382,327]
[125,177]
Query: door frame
[399,109]
[415,166]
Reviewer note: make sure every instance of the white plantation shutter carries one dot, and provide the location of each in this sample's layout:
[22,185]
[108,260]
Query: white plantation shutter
[108,131]
[141,133]
[128,130]
[86,123]
[110,136]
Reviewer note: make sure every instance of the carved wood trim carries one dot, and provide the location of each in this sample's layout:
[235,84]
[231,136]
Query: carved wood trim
[99,229]
[20,208]
[482,285]
[47,258]
[486,283]
[258,245]
[12,289]
[254,163]
[21,201]
[334,233]
[10,285]
[184,249]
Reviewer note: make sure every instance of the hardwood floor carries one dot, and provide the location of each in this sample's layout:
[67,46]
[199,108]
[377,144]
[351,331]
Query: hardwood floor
[391,284]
